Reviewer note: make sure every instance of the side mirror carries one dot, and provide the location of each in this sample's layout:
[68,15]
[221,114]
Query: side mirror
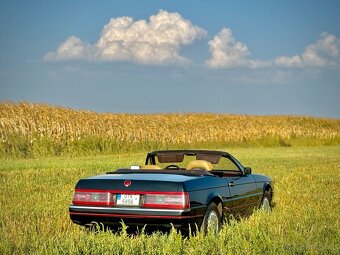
[247,170]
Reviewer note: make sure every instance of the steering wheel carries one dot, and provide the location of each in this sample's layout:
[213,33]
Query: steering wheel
[173,167]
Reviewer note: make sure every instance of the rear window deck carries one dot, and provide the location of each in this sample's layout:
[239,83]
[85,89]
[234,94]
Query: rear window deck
[219,173]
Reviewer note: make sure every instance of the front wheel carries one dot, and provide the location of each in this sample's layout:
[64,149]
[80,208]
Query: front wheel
[212,220]
[266,203]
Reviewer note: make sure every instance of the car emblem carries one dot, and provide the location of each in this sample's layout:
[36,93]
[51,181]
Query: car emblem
[127,183]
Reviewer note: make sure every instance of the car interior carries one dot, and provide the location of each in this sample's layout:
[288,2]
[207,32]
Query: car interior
[213,163]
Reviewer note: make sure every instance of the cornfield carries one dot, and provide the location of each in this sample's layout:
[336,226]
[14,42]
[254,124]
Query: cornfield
[29,130]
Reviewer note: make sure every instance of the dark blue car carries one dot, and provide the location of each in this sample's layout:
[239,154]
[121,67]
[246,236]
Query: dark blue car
[187,189]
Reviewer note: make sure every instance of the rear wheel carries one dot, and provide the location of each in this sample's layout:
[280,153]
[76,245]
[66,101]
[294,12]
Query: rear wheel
[212,220]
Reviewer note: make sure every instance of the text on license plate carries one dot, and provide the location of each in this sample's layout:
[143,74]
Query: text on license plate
[127,199]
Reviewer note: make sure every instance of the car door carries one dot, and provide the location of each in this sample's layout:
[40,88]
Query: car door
[243,193]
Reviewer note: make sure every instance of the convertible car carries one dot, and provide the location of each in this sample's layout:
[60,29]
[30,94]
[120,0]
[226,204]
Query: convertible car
[186,189]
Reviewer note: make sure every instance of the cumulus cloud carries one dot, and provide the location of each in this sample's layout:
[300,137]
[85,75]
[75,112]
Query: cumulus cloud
[227,52]
[156,41]
[324,53]
[159,40]
[283,61]
[73,48]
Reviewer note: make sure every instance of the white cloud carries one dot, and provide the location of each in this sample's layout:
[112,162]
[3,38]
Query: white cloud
[294,61]
[159,41]
[156,41]
[227,52]
[324,53]
[73,48]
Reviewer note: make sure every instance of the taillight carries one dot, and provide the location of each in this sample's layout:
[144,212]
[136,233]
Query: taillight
[92,198]
[150,199]
[171,200]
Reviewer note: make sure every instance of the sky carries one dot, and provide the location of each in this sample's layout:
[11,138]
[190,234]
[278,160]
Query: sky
[236,57]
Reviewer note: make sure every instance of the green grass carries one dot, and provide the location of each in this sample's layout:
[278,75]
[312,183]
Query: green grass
[20,147]
[35,194]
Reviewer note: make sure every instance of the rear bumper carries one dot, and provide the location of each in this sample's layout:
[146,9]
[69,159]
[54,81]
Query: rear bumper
[134,216]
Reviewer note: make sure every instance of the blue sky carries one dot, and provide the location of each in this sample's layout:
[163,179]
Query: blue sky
[243,57]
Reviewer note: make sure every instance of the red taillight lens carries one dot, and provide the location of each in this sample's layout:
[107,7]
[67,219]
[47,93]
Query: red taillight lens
[171,200]
[92,198]
[166,200]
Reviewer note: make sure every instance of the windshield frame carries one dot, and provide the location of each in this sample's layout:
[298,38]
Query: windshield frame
[152,157]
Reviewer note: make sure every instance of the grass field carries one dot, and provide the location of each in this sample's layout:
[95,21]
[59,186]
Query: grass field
[35,194]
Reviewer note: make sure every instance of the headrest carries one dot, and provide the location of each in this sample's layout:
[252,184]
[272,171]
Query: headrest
[199,164]
[153,167]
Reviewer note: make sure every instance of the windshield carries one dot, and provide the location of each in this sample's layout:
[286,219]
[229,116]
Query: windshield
[182,160]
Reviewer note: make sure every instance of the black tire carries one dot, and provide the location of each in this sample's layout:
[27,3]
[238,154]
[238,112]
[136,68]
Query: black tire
[212,220]
[266,202]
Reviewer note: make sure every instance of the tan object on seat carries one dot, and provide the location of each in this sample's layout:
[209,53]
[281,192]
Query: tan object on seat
[199,164]
[151,167]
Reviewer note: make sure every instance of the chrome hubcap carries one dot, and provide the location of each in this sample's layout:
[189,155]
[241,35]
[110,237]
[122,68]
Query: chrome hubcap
[265,204]
[212,222]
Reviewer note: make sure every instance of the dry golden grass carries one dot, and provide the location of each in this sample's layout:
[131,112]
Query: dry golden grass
[28,129]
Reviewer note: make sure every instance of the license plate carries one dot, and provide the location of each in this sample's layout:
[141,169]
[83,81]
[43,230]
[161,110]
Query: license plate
[127,200]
